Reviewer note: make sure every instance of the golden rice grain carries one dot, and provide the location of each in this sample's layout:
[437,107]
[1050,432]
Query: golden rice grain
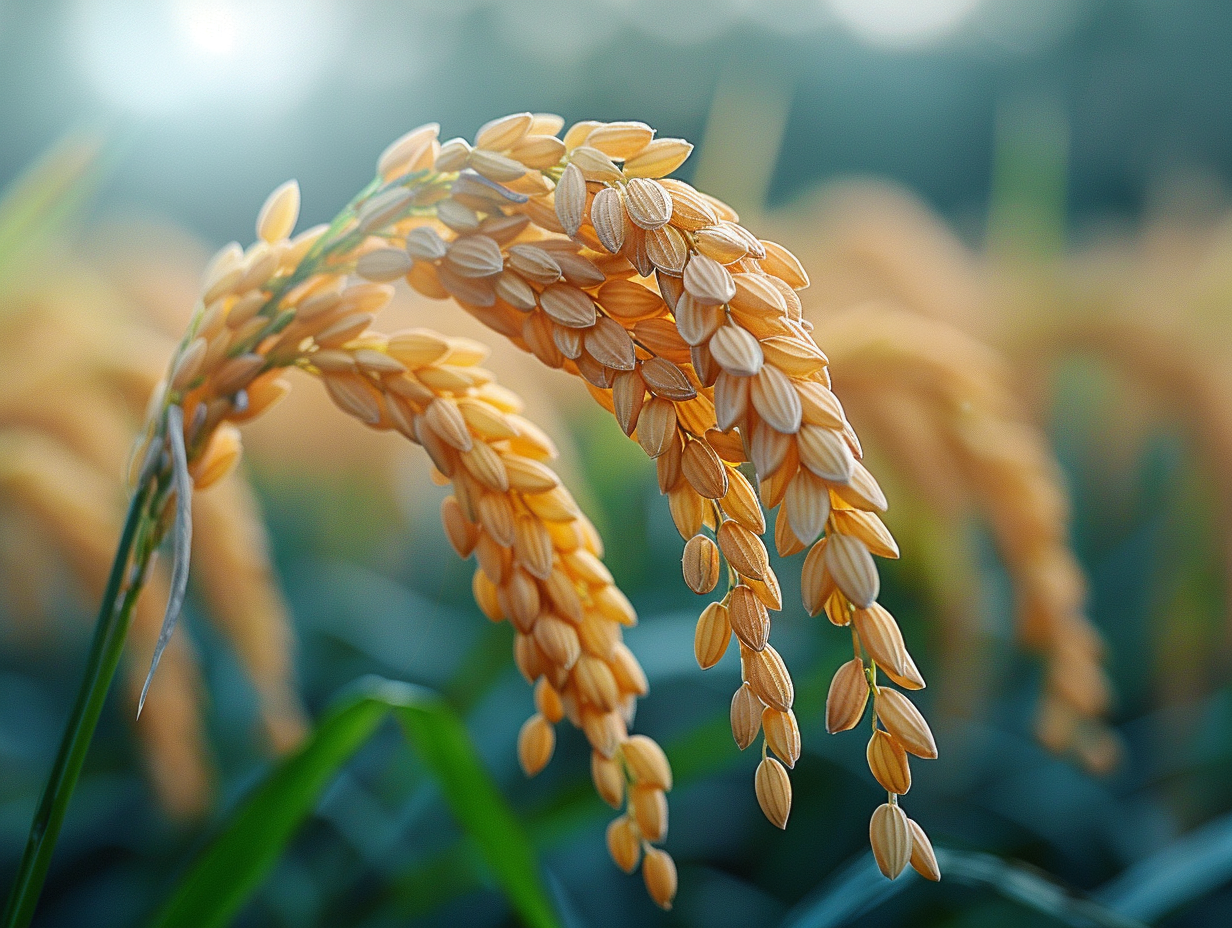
[825,453]
[278,215]
[773,790]
[658,158]
[740,503]
[667,380]
[627,300]
[923,858]
[851,565]
[648,204]
[711,638]
[384,208]
[503,133]
[746,711]
[748,617]
[768,678]
[702,468]
[548,702]
[404,154]
[782,734]
[608,778]
[720,245]
[657,428]
[222,273]
[475,256]
[647,762]
[536,741]
[461,532]
[881,637]
[189,365]
[869,528]
[816,584]
[659,872]
[847,697]
[568,305]
[607,215]
[495,167]
[666,249]
[570,199]
[774,397]
[628,396]
[649,807]
[767,591]
[219,457]
[708,281]
[538,151]
[736,351]
[820,406]
[904,721]
[888,762]
[743,550]
[558,640]
[623,844]
[383,265]
[795,356]
[701,565]
[453,155]
[890,835]
[781,263]
[594,165]
[807,506]
[620,140]
[698,321]
[609,343]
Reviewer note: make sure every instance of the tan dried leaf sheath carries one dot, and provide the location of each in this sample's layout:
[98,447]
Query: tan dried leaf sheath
[680,321]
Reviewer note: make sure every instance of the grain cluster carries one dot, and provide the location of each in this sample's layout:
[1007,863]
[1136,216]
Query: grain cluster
[687,328]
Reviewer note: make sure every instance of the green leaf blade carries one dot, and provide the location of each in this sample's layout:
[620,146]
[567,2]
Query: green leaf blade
[235,864]
[444,747]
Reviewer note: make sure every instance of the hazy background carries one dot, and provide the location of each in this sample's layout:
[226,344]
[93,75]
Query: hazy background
[217,102]
[1090,140]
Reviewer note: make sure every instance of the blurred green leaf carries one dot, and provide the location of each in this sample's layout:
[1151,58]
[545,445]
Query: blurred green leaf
[1187,869]
[1027,206]
[45,196]
[239,859]
[860,887]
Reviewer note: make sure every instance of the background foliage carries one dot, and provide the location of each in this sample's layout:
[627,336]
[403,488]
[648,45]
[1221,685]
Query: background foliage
[1080,151]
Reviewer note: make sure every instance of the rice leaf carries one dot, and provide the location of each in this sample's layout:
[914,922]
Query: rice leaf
[236,862]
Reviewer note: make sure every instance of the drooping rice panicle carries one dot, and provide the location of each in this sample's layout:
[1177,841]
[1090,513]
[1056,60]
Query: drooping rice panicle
[688,328]
[957,391]
[682,323]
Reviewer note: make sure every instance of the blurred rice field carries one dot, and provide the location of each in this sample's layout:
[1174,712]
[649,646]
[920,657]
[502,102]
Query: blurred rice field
[1045,394]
